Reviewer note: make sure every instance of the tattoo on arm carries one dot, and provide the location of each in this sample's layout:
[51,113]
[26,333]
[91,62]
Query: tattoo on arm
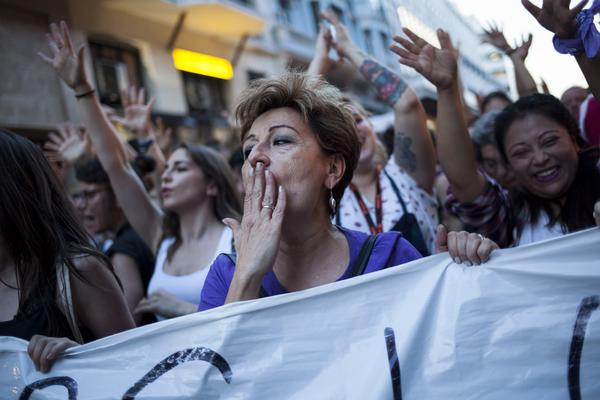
[390,86]
[405,157]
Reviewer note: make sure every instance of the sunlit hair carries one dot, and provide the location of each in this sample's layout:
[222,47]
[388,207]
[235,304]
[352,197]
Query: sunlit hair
[215,168]
[576,211]
[482,132]
[38,226]
[491,96]
[320,104]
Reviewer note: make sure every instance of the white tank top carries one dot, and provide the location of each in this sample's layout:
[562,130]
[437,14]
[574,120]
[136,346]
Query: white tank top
[540,231]
[184,287]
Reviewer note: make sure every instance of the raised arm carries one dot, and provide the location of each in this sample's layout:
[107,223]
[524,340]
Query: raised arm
[413,147]
[525,83]
[556,16]
[144,216]
[321,62]
[455,150]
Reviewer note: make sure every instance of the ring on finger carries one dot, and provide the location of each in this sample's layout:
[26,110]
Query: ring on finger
[270,207]
[481,237]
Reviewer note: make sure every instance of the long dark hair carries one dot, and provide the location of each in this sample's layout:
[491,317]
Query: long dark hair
[576,211]
[39,227]
[217,171]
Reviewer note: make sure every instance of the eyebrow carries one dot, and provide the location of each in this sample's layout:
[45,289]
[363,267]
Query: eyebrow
[180,162]
[539,136]
[283,126]
[271,129]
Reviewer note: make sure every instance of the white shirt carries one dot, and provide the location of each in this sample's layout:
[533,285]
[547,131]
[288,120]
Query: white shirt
[539,231]
[184,287]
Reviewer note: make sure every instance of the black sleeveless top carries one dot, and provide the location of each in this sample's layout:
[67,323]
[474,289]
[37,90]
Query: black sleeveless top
[33,320]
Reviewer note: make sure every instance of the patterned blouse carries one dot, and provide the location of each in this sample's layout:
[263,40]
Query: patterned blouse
[418,202]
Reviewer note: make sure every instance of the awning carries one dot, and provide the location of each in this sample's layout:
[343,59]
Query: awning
[223,19]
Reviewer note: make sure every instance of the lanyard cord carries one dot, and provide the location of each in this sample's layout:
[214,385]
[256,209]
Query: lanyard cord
[378,205]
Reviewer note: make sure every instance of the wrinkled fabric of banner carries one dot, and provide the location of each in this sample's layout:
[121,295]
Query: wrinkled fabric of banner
[526,325]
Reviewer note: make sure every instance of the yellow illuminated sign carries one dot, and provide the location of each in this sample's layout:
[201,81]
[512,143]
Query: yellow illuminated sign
[202,64]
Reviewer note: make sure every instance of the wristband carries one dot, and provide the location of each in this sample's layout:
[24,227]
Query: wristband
[85,94]
[587,37]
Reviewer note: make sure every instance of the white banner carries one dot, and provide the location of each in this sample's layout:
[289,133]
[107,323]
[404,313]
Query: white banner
[523,326]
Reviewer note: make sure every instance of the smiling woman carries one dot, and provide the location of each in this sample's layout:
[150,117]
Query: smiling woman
[537,138]
[555,187]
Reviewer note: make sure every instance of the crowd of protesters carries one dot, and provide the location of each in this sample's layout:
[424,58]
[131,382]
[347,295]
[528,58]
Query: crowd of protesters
[150,231]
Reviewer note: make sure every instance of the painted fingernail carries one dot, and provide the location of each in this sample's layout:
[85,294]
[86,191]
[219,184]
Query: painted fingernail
[468,263]
[267,172]
[457,260]
[251,173]
[259,166]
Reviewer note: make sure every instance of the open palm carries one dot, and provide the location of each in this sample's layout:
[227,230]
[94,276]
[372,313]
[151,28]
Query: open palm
[494,36]
[69,144]
[66,62]
[137,111]
[556,16]
[439,66]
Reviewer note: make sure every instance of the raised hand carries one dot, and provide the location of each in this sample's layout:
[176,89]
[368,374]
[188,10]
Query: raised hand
[555,16]
[67,63]
[69,145]
[163,135]
[137,112]
[343,44]
[494,36]
[258,235]
[521,50]
[439,66]
[322,63]
[44,350]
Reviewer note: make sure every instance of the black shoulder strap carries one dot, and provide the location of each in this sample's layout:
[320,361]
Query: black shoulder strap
[233,258]
[397,191]
[358,268]
[363,257]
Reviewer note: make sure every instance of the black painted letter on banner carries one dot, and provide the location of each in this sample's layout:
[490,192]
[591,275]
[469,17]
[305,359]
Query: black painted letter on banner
[178,358]
[586,308]
[390,343]
[68,383]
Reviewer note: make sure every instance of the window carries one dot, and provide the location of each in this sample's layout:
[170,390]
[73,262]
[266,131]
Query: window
[368,41]
[315,9]
[247,3]
[204,95]
[385,41]
[116,68]
[284,12]
[340,14]
[252,75]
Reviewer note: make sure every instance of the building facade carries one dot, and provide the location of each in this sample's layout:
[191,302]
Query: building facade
[131,42]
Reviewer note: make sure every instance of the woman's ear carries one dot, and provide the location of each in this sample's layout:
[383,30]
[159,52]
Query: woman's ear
[212,189]
[337,167]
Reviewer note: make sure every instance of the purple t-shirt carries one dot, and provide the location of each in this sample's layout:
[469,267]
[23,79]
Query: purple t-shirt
[389,250]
